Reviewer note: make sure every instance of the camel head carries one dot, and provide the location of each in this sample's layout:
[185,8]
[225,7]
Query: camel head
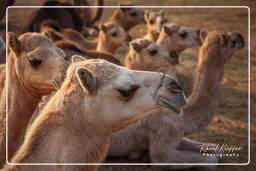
[113,35]
[128,17]
[178,38]
[37,63]
[221,45]
[151,56]
[113,97]
[155,21]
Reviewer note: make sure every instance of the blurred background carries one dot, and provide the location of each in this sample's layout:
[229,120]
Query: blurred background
[230,125]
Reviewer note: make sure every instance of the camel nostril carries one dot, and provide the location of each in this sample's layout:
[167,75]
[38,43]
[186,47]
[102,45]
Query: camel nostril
[174,88]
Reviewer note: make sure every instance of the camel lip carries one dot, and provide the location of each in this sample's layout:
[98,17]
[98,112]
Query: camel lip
[163,102]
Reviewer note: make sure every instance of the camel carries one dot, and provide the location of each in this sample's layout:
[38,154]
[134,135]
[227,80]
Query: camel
[89,15]
[155,21]
[96,100]
[147,55]
[127,17]
[111,37]
[163,135]
[178,38]
[35,68]
[71,49]
[65,17]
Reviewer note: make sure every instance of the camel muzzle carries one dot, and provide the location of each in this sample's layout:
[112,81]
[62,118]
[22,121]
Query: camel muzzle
[170,95]
[237,40]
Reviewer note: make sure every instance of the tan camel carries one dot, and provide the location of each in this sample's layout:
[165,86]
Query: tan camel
[162,135]
[146,55]
[178,38]
[35,67]
[96,100]
[128,17]
[111,37]
[155,21]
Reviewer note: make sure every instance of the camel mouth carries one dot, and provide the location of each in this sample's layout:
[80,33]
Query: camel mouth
[170,105]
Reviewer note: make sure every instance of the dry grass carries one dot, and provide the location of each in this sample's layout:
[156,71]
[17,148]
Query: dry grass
[230,124]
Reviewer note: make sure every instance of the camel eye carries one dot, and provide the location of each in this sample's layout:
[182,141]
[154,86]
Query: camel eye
[35,62]
[151,22]
[183,35]
[128,93]
[133,14]
[114,34]
[153,51]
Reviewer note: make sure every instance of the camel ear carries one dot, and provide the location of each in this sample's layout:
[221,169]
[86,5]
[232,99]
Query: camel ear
[77,58]
[86,80]
[203,35]
[14,43]
[103,28]
[167,30]
[137,47]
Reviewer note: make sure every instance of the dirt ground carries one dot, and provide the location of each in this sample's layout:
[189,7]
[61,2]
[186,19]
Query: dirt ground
[230,125]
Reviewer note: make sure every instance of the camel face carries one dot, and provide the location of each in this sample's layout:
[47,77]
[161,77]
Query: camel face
[114,34]
[151,54]
[132,16]
[118,97]
[226,43]
[38,62]
[155,21]
[179,38]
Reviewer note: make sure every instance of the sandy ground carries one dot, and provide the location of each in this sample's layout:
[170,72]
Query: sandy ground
[229,126]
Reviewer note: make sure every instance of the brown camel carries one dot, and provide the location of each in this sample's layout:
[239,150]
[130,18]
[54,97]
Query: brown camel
[111,37]
[64,17]
[162,135]
[72,49]
[35,68]
[88,15]
[128,17]
[96,100]
[178,38]
[155,21]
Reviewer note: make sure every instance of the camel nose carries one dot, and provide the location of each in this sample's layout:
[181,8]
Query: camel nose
[237,40]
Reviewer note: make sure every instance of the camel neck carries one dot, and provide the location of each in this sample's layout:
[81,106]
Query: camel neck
[103,46]
[21,106]
[203,102]
[64,131]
